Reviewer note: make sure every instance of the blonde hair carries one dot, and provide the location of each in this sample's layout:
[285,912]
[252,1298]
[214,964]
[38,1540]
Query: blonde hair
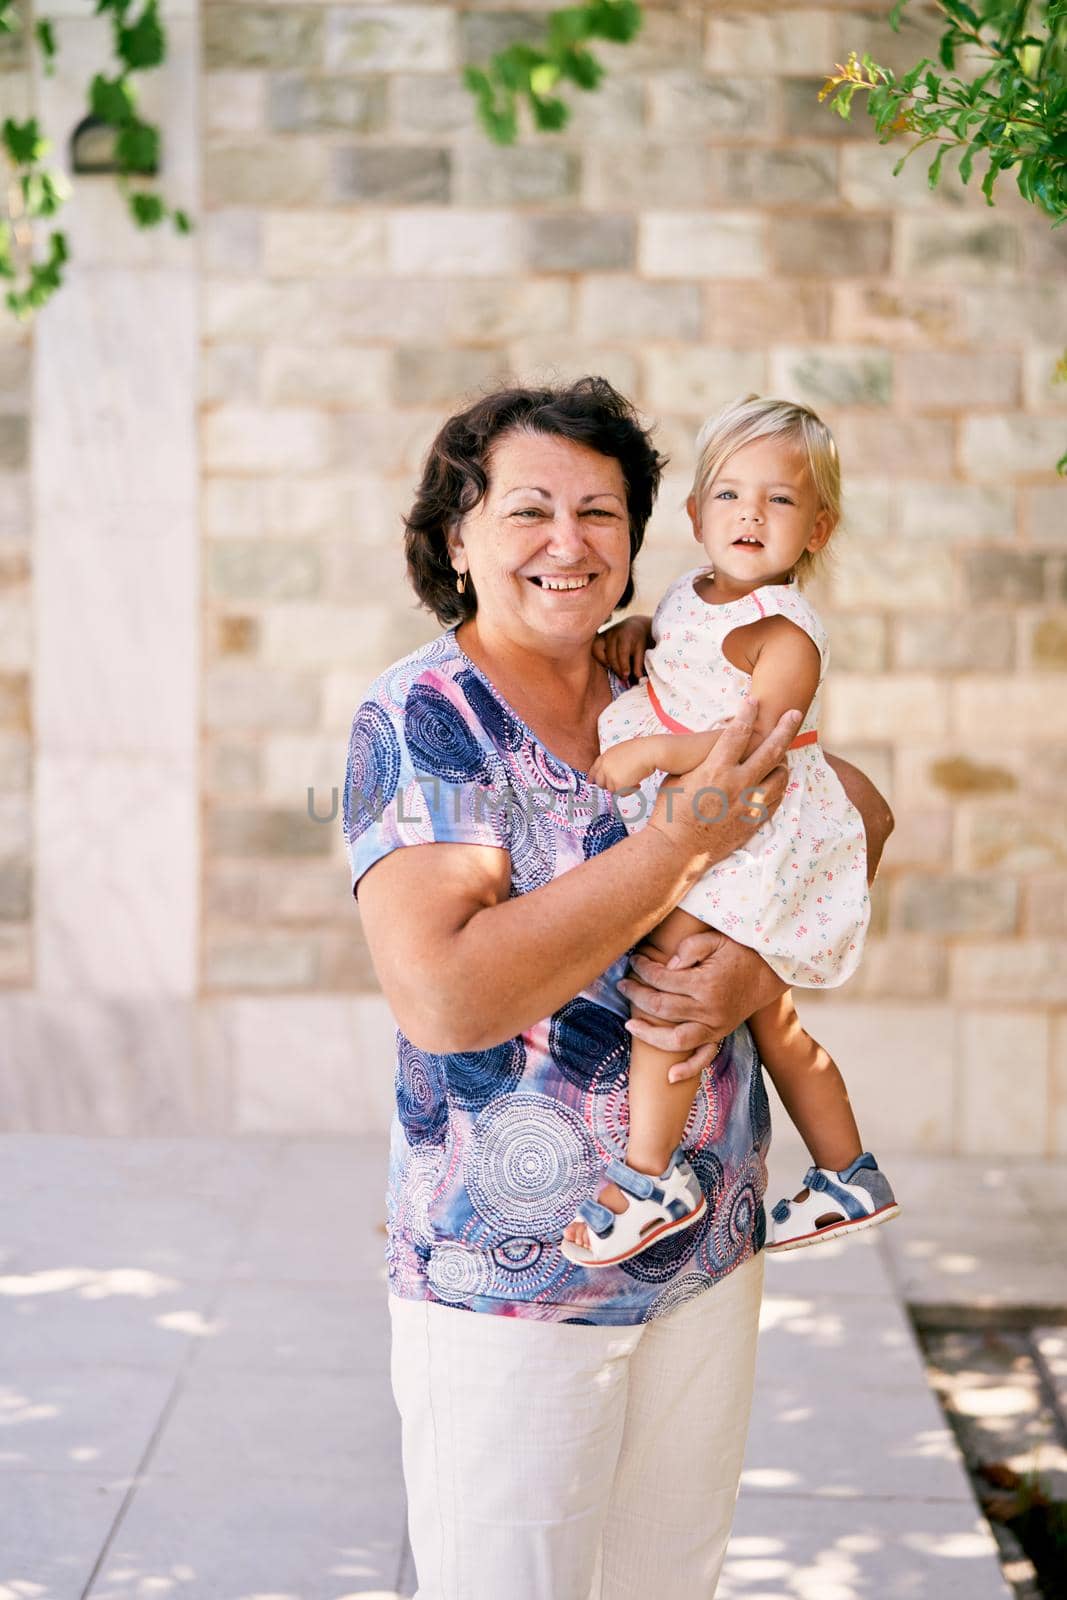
[743,421]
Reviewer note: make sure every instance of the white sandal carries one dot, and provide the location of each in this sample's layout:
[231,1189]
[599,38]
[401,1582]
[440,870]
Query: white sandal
[849,1201]
[656,1207]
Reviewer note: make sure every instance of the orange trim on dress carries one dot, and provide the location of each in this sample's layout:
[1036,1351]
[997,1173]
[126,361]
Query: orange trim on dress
[674,726]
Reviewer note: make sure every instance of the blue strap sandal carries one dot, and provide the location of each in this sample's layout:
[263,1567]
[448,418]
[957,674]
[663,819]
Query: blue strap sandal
[655,1208]
[849,1201]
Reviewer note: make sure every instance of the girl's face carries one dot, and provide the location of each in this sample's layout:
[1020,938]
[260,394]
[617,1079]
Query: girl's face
[547,549]
[759,516]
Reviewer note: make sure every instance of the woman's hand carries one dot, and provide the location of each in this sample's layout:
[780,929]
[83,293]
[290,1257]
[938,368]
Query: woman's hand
[624,766]
[710,812]
[707,989]
[622,646]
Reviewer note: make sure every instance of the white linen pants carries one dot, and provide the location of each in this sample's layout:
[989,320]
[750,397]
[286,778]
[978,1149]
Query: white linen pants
[549,1461]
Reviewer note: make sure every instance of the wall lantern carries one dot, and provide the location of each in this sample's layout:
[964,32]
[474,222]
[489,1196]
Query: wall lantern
[92,148]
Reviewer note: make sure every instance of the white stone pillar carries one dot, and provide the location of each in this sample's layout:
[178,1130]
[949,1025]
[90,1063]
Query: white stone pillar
[117,654]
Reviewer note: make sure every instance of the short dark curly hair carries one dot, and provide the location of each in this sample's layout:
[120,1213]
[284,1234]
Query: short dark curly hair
[455,474]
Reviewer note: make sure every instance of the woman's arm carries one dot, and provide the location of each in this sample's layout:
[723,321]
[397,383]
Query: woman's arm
[717,983]
[464,967]
[878,820]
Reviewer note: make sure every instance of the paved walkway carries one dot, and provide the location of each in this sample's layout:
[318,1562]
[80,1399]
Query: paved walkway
[194,1395]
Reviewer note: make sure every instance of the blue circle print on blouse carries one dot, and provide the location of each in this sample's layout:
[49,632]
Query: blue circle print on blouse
[732,1225]
[528,1269]
[502,728]
[532,849]
[439,741]
[529,1162]
[589,1045]
[373,768]
[420,1095]
[605,830]
[475,1077]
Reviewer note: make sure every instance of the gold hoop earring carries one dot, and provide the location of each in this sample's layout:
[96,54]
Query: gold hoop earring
[461,583]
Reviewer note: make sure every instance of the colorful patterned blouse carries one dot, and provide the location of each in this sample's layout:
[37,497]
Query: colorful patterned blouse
[492,1150]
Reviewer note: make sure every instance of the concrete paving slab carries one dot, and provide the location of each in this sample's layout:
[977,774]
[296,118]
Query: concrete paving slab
[52,1528]
[304,1327]
[256,1269]
[98,1426]
[959,1192]
[185,1236]
[219,1169]
[77,1317]
[286,1539]
[833,1266]
[798,1548]
[1045,1185]
[842,1342]
[323,1218]
[350,1161]
[850,1443]
[1012,1267]
[407,1581]
[278,1425]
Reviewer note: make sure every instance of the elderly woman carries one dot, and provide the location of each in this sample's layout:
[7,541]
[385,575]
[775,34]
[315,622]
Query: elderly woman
[567,1434]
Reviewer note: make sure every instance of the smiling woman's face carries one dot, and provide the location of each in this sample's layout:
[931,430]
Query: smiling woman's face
[547,549]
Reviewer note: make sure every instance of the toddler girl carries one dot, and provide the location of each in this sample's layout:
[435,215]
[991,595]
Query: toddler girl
[765,500]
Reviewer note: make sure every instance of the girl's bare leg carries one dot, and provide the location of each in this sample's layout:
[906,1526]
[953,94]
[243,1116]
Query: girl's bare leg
[809,1086]
[659,1110]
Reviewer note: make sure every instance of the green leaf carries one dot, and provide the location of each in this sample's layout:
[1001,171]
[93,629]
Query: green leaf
[144,44]
[46,40]
[933,172]
[966,164]
[111,99]
[137,147]
[842,103]
[147,210]
[501,123]
[896,13]
[515,66]
[962,13]
[567,27]
[617,20]
[182,221]
[51,193]
[582,68]
[549,114]
[24,141]
[477,81]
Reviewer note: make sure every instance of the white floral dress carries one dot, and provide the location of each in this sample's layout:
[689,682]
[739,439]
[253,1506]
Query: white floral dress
[797,892]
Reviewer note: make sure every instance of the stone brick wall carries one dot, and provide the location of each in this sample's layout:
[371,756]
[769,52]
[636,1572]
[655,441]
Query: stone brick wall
[16,643]
[704,227]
